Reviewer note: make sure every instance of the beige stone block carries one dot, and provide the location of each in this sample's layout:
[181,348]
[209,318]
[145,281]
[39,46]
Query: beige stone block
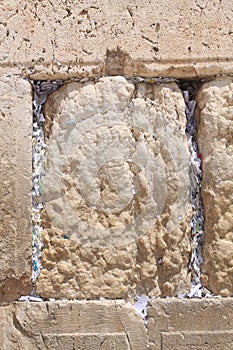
[117,186]
[15,179]
[215,138]
[176,324]
[100,325]
[82,342]
[63,39]
[197,341]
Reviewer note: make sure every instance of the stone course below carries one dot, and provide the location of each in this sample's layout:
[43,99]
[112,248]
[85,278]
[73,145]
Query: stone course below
[174,324]
[194,324]
[86,325]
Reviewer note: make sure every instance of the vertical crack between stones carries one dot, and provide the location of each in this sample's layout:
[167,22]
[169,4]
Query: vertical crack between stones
[41,89]
[195,171]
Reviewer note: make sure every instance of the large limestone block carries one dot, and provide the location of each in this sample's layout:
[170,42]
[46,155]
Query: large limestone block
[15,180]
[60,38]
[86,325]
[215,138]
[194,324]
[116,191]
[174,324]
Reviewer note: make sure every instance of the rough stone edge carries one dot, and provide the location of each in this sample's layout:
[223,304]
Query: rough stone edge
[20,280]
[193,68]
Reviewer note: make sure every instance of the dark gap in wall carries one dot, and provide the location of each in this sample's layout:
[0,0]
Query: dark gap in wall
[190,89]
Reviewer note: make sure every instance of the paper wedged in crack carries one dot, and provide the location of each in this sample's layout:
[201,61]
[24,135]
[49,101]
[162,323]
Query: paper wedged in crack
[116,187]
[215,137]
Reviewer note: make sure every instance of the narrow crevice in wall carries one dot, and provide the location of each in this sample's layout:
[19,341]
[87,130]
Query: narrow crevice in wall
[190,88]
[41,89]
[197,222]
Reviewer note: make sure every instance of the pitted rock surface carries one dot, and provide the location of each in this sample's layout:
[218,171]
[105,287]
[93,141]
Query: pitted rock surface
[215,137]
[60,39]
[116,190]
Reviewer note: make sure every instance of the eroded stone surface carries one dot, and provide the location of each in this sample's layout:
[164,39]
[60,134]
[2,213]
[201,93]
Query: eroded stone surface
[197,340]
[215,137]
[174,324]
[71,325]
[57,38]
[117,213]
[15,179]
[195,324]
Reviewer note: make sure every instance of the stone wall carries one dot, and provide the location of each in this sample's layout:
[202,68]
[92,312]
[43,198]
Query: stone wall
[116,212]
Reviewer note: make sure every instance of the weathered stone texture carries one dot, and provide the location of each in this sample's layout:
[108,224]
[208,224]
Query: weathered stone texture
[197,341]
[59,38]
[195,324]
[15,179]
[174,324]
[71,325]
[215,138]
[117,213]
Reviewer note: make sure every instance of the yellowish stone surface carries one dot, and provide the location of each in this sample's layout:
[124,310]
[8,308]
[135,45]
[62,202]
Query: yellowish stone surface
[116,190]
